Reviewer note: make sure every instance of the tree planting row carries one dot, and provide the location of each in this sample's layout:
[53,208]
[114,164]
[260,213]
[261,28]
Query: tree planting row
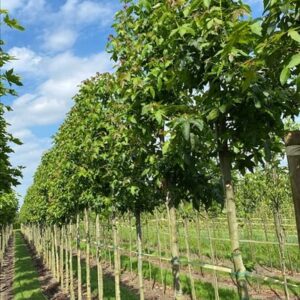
[200,94]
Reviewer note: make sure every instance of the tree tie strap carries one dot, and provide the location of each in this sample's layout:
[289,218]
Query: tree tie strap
[175,261]
[293,150]
[240,275]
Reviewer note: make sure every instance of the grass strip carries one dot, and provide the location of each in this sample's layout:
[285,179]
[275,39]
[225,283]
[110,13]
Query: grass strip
[26,284]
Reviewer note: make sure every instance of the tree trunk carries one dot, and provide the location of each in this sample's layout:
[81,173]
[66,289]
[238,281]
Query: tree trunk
[117,270]
[61,250]
[87,255]
[292,142]
[159,247]
[240,270]
[98,257]
[174,248]
[67,262]
[139,252]
[79,276]
[188,256]
[281,243]
[69,238]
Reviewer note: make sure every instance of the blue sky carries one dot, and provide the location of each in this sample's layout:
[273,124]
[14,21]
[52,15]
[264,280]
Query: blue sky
[63,44]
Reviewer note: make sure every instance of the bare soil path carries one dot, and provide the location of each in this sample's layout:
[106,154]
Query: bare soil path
[7,272]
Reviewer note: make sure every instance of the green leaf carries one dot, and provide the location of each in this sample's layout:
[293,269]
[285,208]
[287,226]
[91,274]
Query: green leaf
[174,31]
[256,28]
[213,114]
[184,29]
[206,3]
[198,123]
[134,190]
[257,104]
[186,130]
[165,147]
[284,75]
[152,92]
[294,35]
[223,108]
[158,116]
[13,23]
[295,61]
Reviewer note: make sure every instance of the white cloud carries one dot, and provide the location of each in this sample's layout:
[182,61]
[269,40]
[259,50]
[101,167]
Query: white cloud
[56,74]
[51,100]
[28,155]
[11,5]
[26,60]
[30,9]
[49,103]
[86,12]
[61,39]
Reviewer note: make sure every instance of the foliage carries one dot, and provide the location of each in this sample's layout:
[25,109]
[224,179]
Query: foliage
[280,46]
[259,192]
[8,174]
[8,208]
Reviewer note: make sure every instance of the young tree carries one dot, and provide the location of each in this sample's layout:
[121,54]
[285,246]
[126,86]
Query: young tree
[9,175]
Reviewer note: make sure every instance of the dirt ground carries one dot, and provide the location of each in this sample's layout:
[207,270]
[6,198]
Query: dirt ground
[7,272]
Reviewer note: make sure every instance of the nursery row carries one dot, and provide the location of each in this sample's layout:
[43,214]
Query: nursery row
[111,246]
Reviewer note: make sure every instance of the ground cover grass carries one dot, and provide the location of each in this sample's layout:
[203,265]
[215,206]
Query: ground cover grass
[25,284]
[108,283]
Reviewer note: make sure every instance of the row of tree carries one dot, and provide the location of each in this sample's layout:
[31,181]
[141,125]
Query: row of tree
[9,175]
[200,90]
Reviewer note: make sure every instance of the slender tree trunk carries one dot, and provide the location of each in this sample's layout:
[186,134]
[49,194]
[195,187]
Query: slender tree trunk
[53,254]
[130,245]
[69,238]
[187,247]
[240,270]
[159,247]
[67,262]
[79,276]
[213,259]
[174,248]
[139,251]
[87,254]
[61,250]
[292,143]
[56,254]
[281,242]
[116,257]
[98,257]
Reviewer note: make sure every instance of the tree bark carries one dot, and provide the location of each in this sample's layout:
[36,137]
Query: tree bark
[117,270]
[292,143]
[79,276]
[87,255]
[69,238]
[174,248]
[98,257]
[188,255]
[240,270]
[138,227]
